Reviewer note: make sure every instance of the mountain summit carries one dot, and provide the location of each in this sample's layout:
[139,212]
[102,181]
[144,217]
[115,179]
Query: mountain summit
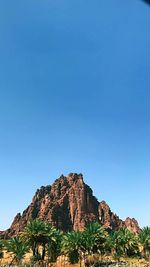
[69,204]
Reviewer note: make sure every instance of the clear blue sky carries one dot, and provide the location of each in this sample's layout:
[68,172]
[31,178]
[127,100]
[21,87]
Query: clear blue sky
[75,97]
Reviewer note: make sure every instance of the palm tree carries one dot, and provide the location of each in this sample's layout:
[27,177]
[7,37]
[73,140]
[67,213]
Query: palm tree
[53,246]
[123,243]
[113,244]
[78,245]
[95,237]
[35,234]
[42,234]
[1,249]
[48,239]
[18,248]
[72,246]
[144,239]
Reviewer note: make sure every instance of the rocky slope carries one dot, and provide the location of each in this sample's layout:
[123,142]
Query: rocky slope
[69,204]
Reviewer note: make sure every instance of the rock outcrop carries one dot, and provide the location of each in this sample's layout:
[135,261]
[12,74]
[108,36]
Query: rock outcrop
[111,221]
[132,225]
[69,204]
[107,218]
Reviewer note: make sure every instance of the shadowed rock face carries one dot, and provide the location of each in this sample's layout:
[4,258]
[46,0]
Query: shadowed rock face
[69,204]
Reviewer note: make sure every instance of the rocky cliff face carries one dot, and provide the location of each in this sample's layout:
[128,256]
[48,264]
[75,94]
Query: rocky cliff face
[69,204]
[108,218]
[132,225]
[111,221]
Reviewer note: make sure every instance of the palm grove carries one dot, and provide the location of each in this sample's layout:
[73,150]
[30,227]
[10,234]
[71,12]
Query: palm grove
[48,243]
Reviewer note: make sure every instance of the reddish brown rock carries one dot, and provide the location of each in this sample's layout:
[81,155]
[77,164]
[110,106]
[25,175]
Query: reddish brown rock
[132,225]
[68,204]
[111,221]
[2,233]
[108,218]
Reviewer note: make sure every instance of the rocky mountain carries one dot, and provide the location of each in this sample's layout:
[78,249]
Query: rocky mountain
[69,204]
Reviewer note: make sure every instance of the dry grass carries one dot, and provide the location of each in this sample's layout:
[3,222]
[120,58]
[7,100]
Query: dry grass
[63,262]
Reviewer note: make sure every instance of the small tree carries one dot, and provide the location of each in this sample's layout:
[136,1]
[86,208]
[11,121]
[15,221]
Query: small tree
[35,234]
[18,249]
[123,243]
[72,246]
[1,249]
[53,246]
[95,237]
[144,239]
[39,234]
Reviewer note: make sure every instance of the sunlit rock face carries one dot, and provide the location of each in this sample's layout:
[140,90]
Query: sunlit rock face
[132,225]
[69,204]
[111,221]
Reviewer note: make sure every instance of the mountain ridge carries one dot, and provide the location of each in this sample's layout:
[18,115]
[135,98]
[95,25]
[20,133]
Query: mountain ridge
[69,204]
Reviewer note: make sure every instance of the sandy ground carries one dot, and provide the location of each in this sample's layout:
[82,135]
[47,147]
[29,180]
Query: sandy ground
[62,262]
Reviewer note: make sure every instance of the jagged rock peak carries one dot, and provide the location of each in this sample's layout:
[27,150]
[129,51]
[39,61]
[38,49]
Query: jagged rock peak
[132,225]
[41,192]
[70,179]
[69,204]
[107,218]
[111,221]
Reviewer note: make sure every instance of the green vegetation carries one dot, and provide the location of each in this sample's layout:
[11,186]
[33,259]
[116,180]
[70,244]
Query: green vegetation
[38,234]
[1,249]
[123,243]
[18,248]
[144,240]
[47,244]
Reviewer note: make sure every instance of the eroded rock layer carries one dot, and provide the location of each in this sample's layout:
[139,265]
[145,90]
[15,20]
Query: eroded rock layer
[69,204]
